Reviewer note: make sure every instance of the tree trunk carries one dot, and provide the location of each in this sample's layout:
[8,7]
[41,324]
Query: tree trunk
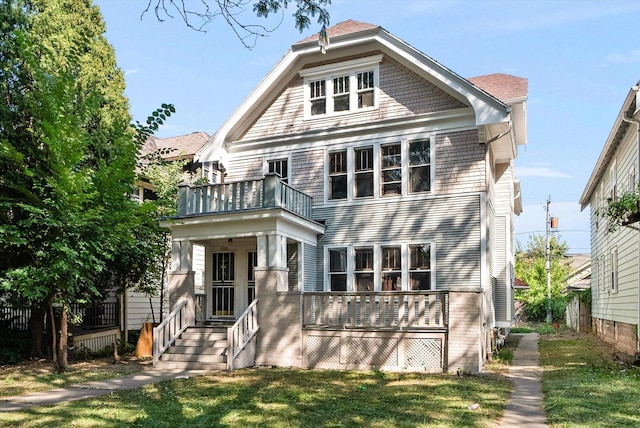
[36,329]
[54,334]
[63,364]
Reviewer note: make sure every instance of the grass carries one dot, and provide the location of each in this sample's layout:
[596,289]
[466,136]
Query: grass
[290,398]
[584,386]
[38,376]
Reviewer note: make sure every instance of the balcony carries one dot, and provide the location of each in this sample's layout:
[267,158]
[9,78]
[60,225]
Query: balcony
[269,192]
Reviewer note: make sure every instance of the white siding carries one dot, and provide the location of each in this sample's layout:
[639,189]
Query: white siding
[623,305]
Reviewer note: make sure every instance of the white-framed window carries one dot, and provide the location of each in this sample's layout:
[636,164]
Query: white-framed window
[420,166]
[340,88]
[420,267]
[279,166]
[631,179]
[317,97]
[364,269]
[391,169]
[380,267]
[613,180]
[391,268]
[614,269]
[363,172]
[338,269]
[601,275]
[338,175]
[385,169]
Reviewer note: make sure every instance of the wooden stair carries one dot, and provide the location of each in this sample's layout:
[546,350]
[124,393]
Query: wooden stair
[198,348]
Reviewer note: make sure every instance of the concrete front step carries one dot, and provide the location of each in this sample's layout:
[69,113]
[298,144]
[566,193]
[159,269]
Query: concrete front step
[189,365]
[205,333]
[199,348]
[196,358]
[201,343]
[217,349]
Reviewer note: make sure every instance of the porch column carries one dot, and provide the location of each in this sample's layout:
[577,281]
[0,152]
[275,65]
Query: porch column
[464,350]
[272,254]
[280,336]
[182,279]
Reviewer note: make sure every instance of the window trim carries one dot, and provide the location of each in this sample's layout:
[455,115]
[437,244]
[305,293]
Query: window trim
[405,168]
[329,72]
[377,260]
[266,161]
[613,262]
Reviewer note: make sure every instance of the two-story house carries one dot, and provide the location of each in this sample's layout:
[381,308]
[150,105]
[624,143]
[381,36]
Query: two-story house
[615,252]
[361,216]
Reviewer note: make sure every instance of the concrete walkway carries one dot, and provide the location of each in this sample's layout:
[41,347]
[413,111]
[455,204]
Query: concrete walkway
[93,389]
[524,407]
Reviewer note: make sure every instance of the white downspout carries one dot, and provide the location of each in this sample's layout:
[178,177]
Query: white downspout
[637,122]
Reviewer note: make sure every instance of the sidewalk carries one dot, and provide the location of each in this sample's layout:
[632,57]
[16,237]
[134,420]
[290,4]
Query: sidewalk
[93,389]
[524,407]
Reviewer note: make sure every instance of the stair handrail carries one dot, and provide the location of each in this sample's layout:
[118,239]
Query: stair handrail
[242,332]
[168,331]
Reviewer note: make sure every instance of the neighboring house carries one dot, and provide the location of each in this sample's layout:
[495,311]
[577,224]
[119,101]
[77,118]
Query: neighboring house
[364,218]
[578,312]
[615,256]
[140,308]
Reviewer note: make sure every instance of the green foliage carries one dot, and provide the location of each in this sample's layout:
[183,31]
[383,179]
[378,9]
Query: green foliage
[304,10]
[520,330]
[531,268]
[622,210]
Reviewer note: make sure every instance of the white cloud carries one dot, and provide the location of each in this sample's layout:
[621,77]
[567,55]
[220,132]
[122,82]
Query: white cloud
[539,172]
[628,58]
[132,71]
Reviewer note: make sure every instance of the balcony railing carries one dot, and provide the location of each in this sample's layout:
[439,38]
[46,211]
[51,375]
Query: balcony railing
[400,310]
[269,192]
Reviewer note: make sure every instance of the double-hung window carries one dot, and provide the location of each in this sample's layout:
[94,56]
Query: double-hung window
[391,169]
[338,175]
[318,97]
[419,166]
[614,270]
[364,172]
[366,86]
[420,267]
[364,269]
[281,167]
[340,88]
[341,93]
[338,269]
[391,268]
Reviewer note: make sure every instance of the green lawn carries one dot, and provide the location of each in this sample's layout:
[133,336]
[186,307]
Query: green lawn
[584,387]
[287,398]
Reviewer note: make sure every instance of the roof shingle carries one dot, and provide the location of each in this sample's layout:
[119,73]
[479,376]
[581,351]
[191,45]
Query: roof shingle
[502,86]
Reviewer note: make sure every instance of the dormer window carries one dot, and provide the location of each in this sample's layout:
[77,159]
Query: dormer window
[341,88]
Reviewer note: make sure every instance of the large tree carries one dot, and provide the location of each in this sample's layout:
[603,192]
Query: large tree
[199,15]
[67,155]
[531,268]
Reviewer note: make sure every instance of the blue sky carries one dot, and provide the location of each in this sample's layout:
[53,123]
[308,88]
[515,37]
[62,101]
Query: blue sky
[581,58]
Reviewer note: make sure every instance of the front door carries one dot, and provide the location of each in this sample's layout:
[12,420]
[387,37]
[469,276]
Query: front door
[223,283]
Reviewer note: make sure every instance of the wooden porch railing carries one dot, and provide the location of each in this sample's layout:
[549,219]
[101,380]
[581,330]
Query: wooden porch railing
[168,331]
[241,333]
[269,192]
[400,310]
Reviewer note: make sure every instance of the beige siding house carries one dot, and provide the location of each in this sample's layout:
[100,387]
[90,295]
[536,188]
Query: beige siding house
[615,255]
[361,215]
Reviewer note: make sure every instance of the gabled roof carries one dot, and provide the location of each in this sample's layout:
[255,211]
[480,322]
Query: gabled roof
[503,86]
[630,109]
[345,27]
[348,38]
[184,146]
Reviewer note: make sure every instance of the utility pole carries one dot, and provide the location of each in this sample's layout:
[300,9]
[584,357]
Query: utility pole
[552,222]
[548,260]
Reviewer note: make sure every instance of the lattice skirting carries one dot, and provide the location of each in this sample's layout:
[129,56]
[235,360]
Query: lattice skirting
[342,350]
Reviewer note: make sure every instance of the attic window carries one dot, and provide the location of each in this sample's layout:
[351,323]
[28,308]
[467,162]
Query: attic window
[341,88]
